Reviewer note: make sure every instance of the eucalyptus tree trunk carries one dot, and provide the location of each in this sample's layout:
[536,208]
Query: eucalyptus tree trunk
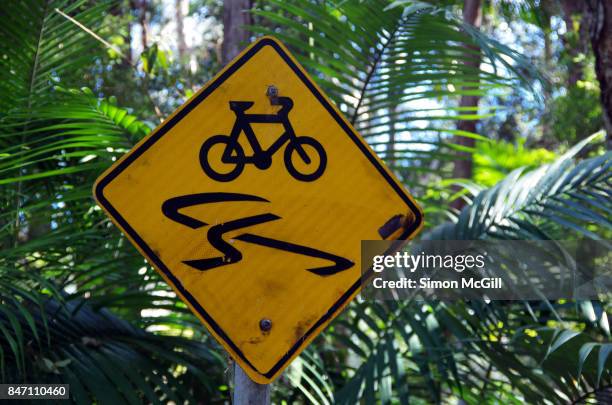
[180,33]
[127,61]
[142,19]
[472,14]
[236,17]
[601,40]
[547,90]
[576,38]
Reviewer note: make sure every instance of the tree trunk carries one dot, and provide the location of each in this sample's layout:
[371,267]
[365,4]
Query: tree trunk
[235,17]
[180,33]
[127,61]
[142,19]
[547,90]
[395,92]
[390,152]
[463,166]
[548,10]
[575,41]
[601,40]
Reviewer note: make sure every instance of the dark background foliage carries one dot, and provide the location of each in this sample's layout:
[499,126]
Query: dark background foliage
[484,109]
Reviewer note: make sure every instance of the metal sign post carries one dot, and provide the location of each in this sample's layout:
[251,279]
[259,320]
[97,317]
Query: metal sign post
[247,391]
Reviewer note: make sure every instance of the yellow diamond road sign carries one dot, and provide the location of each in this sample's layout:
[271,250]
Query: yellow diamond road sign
[251,200]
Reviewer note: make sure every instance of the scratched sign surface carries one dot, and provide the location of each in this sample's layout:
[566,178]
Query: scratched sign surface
[252,206]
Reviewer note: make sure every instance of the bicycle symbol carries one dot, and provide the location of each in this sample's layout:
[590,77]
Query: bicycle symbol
[298,148]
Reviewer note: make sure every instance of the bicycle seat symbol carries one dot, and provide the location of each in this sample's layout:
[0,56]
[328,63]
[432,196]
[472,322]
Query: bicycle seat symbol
[304,151]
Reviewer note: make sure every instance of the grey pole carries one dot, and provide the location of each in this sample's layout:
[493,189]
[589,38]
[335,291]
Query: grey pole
[247,391]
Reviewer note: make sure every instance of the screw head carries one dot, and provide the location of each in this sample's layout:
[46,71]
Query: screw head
[265,325]
[272,91]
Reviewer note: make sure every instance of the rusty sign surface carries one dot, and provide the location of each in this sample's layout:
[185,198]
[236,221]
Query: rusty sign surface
[251,200]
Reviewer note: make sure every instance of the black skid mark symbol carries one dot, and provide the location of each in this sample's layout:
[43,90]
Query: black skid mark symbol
[215,237]
[340,263]
[171,208]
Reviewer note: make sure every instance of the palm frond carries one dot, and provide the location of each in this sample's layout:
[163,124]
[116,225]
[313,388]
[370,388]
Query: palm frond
[412,347]
[390,68]
[545,203]
[40,47]
[49,339]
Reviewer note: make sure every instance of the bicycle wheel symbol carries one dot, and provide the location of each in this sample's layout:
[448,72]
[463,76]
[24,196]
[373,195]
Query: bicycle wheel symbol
[311,149]
[304,157]
[235,151]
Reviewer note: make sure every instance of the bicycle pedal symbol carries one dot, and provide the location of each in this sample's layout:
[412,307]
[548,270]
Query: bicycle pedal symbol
[233,159]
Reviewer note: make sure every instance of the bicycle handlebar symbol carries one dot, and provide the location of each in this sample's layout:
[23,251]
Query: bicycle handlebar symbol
[233,157]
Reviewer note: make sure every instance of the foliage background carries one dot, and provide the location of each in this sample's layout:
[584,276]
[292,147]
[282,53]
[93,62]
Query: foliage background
[82,81]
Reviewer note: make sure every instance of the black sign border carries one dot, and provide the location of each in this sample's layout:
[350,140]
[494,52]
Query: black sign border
[168,125]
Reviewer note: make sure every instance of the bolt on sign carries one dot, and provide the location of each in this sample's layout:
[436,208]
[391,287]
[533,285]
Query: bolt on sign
[251,200]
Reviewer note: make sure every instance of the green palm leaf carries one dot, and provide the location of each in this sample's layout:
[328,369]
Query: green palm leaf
[62,263]
[389,68]
[441,340]
[542,204]
[94,351]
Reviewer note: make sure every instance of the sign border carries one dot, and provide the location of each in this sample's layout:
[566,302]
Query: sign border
[111,173]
